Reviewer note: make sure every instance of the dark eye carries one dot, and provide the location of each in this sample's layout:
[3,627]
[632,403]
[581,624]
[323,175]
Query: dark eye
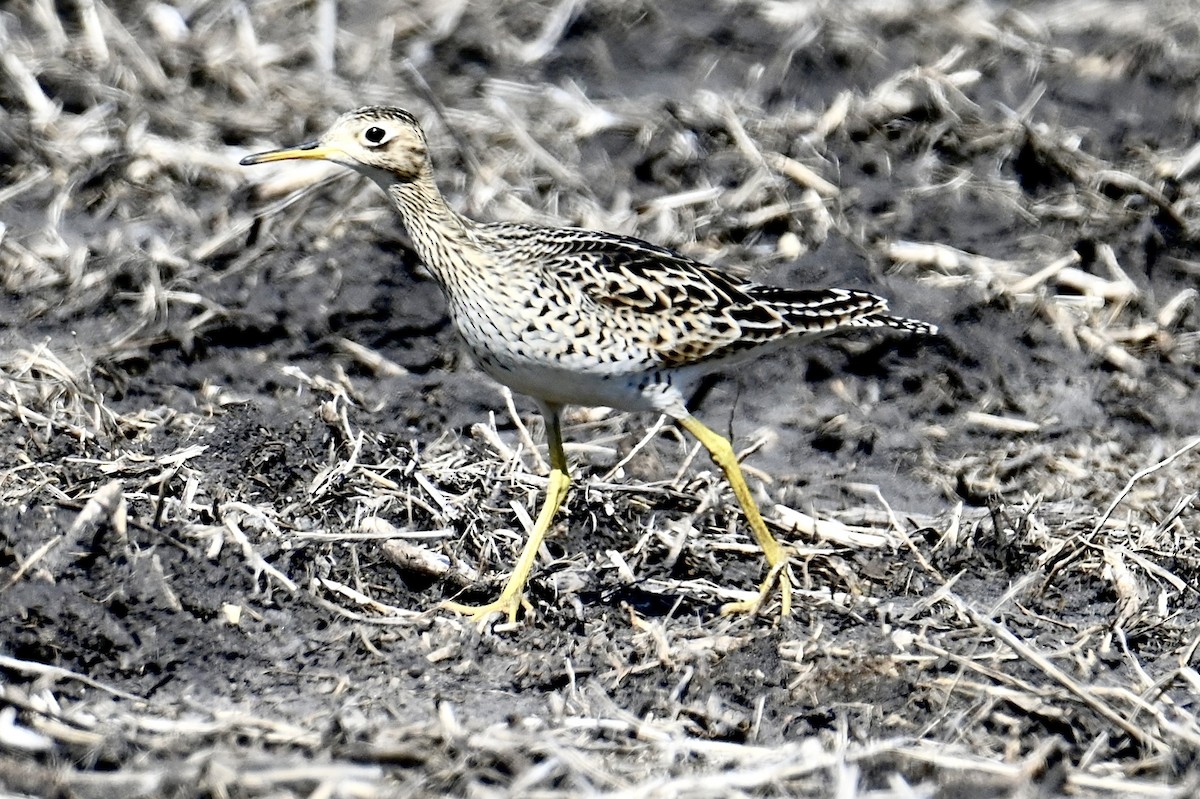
[375,135]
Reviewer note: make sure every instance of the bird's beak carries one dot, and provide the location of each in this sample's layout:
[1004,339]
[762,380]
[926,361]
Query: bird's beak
[310,151]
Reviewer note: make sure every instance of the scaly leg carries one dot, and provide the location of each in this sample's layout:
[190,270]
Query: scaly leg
[512,597]
[722,454]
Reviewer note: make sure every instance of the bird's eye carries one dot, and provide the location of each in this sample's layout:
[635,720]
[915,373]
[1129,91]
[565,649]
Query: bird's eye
[375,135]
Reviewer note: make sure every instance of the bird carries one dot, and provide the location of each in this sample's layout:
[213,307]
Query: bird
[572,316]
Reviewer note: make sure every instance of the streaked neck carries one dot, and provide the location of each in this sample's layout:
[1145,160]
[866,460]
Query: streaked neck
[439,234]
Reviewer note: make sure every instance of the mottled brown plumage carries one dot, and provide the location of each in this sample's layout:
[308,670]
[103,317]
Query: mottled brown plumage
[573,316]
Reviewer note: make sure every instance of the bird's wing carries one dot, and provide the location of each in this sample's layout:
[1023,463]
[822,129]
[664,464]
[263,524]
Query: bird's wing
[689,311]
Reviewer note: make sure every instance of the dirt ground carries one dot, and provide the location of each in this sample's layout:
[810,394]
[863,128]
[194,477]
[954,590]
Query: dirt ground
[243,456]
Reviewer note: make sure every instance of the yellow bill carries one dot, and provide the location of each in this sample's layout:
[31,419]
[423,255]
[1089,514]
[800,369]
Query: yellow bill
[310,151]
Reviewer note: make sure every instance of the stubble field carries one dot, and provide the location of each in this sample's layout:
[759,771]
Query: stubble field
[243,457]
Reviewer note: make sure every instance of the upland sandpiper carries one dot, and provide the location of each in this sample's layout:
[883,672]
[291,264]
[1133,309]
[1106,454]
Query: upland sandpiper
[581,317]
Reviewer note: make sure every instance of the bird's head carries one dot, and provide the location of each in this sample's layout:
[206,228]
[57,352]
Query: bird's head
[385,143]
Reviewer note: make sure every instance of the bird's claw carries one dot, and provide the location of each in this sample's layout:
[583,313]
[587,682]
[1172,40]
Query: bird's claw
[778,574]
[509,606]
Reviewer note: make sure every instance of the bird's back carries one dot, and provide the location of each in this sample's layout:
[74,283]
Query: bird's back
[583,315]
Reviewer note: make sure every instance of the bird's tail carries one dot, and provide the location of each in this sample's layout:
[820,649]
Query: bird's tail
[913,326]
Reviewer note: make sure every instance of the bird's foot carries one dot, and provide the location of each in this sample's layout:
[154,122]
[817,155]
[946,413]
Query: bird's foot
[778,574]
[507,604]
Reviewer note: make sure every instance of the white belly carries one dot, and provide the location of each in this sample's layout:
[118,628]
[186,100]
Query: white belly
[566,386]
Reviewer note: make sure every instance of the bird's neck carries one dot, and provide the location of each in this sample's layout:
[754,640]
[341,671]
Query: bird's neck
[439,234]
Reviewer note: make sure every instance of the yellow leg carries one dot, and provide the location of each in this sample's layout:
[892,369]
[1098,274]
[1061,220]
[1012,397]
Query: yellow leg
[512,597]
[722,454]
